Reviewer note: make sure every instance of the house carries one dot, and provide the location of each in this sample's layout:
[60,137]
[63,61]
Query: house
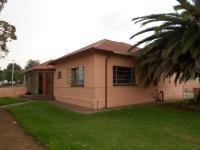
[100,75]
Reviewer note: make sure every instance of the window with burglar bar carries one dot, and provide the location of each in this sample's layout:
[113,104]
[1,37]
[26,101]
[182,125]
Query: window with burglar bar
[78,76]
[123,75]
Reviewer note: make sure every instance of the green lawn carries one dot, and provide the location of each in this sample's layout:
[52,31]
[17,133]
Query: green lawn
[9,100]
[150,128]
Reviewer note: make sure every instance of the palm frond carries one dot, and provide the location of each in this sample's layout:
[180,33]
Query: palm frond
[173,47]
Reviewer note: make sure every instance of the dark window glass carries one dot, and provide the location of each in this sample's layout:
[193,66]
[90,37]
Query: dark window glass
[78,76]
[59,75]
[123,75]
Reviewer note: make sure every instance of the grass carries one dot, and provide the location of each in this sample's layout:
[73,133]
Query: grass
[148,128]
[9,100]
[186,101]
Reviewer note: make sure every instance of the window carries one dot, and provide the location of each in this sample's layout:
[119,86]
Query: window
[195,79]
[123,75]
[59,75]
[78,76]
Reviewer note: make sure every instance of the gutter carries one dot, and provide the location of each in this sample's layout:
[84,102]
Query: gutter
[106,81]
[123,53]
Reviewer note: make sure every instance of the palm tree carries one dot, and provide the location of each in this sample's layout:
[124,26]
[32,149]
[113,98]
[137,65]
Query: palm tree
[173,46]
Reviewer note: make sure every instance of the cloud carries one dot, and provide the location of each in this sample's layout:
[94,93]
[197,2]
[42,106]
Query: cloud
[115,21]
[48,29]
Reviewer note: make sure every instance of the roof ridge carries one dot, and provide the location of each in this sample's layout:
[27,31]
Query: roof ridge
[104,45]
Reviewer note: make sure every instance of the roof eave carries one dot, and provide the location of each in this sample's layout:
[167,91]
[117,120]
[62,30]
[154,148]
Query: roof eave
[39,70]
[92,49]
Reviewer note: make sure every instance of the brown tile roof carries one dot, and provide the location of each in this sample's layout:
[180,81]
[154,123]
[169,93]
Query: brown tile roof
[103,45]
[44,66]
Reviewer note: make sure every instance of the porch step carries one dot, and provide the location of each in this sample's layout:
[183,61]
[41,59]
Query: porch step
[37,97]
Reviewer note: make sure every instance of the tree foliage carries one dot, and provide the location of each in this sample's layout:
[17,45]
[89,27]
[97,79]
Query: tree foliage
[18,75]
[1,75]
[173,46]
[31,63]
[2,3]
[7,33]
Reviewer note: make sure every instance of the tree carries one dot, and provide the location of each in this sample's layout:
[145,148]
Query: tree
[1,75]
[2,3]
[31,63]
[173,47]
[7,33]
[18,75]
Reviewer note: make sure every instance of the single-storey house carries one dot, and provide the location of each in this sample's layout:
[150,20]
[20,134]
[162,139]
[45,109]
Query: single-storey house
[98,76]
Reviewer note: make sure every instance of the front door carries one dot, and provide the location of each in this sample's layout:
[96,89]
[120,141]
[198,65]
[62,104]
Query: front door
[45,83]
[41,83]
[48,83]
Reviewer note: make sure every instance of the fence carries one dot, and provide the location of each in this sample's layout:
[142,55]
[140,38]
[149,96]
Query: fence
[12,91]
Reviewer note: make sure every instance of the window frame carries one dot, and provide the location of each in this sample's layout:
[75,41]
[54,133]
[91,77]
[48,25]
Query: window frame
[73,83]
[133,77]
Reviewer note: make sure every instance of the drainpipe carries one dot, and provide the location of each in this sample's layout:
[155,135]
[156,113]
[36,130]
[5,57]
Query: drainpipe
[106,82]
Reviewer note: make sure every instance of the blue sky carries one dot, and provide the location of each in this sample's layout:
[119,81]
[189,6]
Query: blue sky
[48,29]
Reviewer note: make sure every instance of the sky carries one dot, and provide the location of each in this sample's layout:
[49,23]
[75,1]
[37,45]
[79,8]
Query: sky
[48,29]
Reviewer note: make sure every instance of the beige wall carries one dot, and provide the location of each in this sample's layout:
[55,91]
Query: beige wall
[192,84]
[117,95]
[12,91]
[172,91]
[92,95]
[63,91]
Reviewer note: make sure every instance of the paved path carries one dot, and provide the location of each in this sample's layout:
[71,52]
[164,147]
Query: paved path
[15,104]
[12,136]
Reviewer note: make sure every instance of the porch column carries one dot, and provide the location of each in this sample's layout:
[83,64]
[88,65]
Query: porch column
[52,78]
[44,83]
[36,83]
[24,82]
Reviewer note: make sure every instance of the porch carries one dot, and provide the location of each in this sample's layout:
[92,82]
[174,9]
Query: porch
[39,83]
